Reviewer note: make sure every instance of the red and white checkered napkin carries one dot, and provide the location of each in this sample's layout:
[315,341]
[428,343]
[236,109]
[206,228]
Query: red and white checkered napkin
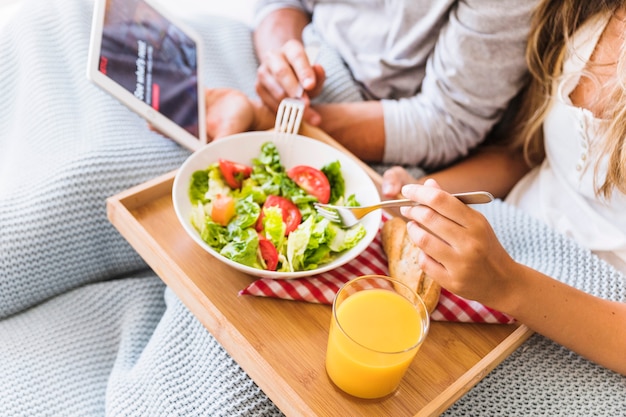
[322,288]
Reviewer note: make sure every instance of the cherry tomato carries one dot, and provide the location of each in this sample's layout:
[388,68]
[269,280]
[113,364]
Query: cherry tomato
[269,253]
[291,213]
[223,209]
[311,180]
[234,173]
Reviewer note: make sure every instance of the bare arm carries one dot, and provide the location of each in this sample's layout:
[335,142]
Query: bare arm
[277,28]
[463,254]
[357,126]
[588,325]
[493,168]
[490,168]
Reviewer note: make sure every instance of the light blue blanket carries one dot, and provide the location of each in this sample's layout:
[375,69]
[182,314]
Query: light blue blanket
[86,329]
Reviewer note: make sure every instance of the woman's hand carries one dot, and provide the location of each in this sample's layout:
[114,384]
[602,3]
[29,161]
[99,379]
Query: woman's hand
[461,251]
[287,72]
[459,248]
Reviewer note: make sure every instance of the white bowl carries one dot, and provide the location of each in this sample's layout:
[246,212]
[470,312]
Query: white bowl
[294,150]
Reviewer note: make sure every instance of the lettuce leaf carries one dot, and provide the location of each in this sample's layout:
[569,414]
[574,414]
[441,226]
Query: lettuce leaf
[246,213]
[344,239]
[199,186]
[336,180]
[274,227]
[297,244]
[242,247]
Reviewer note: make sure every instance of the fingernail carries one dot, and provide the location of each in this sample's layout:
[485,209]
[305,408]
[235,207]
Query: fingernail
[309,81]
[386,188]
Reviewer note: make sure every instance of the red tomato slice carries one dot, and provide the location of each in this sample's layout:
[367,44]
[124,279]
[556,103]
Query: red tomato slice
[234,173]
[269,253]
[291,213]
[223,209]
[311,180]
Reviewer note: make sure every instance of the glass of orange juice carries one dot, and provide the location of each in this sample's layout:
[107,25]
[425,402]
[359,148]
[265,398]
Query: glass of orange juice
[378,324]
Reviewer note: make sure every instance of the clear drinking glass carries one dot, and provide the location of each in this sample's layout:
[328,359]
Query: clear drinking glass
[378,324]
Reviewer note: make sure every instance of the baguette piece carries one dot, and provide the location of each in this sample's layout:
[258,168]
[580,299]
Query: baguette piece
[402,256]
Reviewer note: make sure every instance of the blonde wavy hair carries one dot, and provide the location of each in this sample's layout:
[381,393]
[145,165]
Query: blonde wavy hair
[553,24]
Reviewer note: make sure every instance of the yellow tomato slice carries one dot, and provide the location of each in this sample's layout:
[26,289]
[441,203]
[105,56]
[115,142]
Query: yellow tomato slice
[223,209]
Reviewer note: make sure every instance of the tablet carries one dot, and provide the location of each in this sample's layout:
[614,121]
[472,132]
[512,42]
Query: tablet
[150,63]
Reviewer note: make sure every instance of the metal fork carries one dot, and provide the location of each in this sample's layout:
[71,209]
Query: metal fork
[290,110]
[289,116]
[349,216]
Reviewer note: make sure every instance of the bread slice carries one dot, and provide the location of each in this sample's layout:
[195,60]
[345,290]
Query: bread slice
[402,256]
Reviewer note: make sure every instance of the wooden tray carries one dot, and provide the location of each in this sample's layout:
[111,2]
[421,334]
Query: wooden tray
[281,344]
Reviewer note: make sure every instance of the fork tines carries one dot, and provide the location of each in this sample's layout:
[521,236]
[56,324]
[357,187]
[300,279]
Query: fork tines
[328,213]
[289,116]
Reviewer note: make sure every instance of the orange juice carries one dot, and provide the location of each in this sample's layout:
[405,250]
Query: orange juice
[374,336]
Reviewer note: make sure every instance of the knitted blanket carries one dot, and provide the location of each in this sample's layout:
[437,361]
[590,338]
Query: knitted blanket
[87,329]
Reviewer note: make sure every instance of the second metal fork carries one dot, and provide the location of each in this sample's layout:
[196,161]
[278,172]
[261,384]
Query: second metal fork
[349,216]
[289,116]
[291,110]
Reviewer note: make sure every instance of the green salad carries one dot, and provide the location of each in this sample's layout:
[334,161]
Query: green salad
[263,216]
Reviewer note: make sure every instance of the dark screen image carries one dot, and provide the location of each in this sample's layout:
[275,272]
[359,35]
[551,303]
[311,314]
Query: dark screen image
[152,59]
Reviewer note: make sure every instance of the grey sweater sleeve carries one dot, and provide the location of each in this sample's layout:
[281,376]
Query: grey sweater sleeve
[476,68]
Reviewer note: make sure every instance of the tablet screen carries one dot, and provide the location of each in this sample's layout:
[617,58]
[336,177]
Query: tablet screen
[153,59]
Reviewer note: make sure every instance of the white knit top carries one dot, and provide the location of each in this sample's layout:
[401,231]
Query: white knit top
[561,191]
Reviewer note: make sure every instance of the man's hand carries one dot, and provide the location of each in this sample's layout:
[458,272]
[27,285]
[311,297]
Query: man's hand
[394,179]
[287,72]
[228,111]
